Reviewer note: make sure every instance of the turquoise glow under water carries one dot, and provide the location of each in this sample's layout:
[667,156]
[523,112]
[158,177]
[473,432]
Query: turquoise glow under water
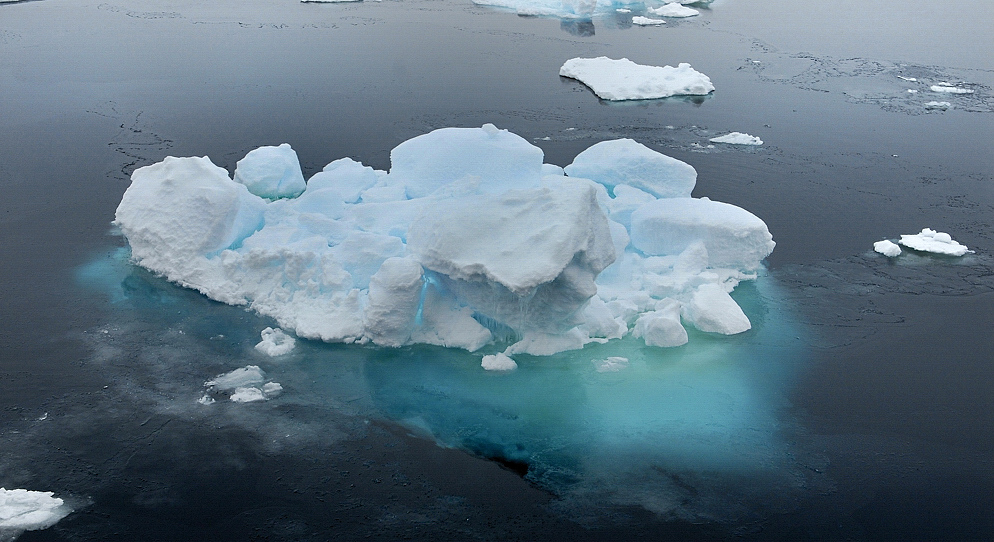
[701,430]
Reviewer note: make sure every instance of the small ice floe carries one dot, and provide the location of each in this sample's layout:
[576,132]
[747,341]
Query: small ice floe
[737,138]
[938,105]
[949,88]
[909,79]
[275,342]
[912,91]
[24,510]
[673,9]
[623,10]
[887,248]
[647,21]
[625,80]
[936,242]
[612,364]
[498,362]
[245,385]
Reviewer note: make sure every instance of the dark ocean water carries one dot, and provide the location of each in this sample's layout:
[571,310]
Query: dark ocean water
[859,407]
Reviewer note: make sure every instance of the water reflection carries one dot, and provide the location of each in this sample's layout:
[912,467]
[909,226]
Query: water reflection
[583,28]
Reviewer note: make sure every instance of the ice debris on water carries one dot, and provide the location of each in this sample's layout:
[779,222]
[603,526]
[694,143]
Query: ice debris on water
[243,385]
[949,88]
[625,80]
[468,237]
[737,138]
[887,248]
[673,9]
[25,510]
[498,362]
[936,242]
[938,105]
[275,342]
[646,21]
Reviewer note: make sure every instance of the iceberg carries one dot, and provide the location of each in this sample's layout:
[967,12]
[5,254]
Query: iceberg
[625,80]
[24,510]
[737,138]
[469,240]
[936,242]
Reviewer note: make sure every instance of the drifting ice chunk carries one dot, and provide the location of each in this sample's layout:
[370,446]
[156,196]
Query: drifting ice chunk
[24,510]
[271,172]
[501,160]
[938,105]
[673,9]
[662,327]
[711,309]
[733,237]
[737,138]
[275,342]
[498,362]
[626,80]
[246,376]
[935,242]
[247,395]
[950,89]
[646,21]
[628,162]
[887,248]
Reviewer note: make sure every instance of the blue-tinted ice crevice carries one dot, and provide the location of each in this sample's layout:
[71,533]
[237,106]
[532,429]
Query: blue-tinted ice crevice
[468,226]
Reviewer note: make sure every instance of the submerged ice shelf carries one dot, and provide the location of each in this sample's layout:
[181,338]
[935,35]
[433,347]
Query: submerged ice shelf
[466,240]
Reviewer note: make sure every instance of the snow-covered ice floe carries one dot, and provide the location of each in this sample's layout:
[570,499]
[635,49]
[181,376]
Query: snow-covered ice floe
[673,9]
[938,105]
[585,9]
[625,80]
[24,510]
[887,248]
[737,138]
[275,342]
[950,89]
[936,242]
[468,237]
[243,385]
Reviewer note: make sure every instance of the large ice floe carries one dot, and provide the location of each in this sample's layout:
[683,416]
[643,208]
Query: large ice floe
[468,240]
[625,80]
[24,510]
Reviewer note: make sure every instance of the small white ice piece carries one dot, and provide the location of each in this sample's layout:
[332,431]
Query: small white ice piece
[247,395]
[275,342]
[646,21]
[625,80]
[938,105]
[936,242]
[272,389]
[24,510]
[673,9]
[737,138]
[498,362]
[246,376]
[887,248]
[950,89]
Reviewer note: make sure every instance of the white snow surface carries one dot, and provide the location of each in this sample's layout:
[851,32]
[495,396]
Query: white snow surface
[275,342]
[625,80]
[887,248]
[462,238]
[936,242]
[673,9]
[737,138]
[25,510]
[646,21]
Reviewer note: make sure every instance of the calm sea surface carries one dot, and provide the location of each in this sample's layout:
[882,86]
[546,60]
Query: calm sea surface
[860,407]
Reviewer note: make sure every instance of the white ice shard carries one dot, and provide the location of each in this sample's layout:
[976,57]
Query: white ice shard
[625,80]
[25,510]
[646,21]
[936,242]
[275,342]
[950,89]
[887,248]
[468,237]
[674,9]
[737,138]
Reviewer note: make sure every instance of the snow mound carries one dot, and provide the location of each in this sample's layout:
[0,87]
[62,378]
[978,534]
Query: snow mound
[468,239]
[674,9]
[737,138]
[935,242]
[625,80]
[275,342]
[23,510]
[887,248]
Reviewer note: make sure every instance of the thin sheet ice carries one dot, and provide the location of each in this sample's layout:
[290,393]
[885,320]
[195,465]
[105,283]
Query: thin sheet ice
[446,249]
